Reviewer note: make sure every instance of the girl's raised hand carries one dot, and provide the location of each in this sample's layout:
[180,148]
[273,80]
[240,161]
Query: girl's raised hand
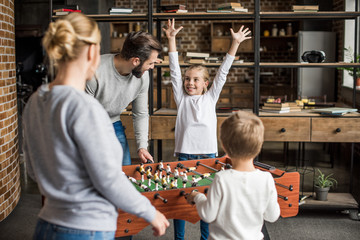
[241,35]
[171,31]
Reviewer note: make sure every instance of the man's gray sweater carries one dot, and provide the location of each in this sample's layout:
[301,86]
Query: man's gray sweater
[115,92]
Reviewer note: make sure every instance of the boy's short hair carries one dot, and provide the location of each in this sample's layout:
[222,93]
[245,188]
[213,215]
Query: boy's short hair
[242,135]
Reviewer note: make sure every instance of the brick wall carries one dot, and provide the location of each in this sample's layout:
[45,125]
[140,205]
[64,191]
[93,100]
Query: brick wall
[9,155]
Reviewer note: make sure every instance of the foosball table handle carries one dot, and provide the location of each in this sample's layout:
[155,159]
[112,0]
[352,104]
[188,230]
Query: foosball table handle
[157,196]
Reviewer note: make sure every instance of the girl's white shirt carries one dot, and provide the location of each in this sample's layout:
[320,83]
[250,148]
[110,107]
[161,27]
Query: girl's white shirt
[196,122]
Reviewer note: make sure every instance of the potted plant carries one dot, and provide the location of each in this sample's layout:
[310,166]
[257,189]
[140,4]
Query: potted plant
[323,183]
[349,55]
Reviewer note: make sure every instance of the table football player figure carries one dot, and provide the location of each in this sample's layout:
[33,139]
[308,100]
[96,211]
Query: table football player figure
[142,171]
[168,172]
[176,173]
[164,182]
[156,180]
[173,184]
[149,176]
[161,168]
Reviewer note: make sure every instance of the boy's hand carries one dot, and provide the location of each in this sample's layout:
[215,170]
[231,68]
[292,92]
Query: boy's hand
[171,31]
[190,197]
[241,35]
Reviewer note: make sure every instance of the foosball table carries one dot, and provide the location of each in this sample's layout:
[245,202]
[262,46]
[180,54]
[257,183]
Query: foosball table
[167,184]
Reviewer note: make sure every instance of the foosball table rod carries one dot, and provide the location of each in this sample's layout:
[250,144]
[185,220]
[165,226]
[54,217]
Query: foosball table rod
[157,196]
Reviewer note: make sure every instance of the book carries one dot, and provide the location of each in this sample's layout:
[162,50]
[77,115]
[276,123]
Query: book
[230,4]
[61,13]
[228,7]
[305,7]
[176,11]
[335,110]
[66,10]
[173,7]
[275,108]
[197,55]
[240,9]
[196,61]
[114,11]
[71,6]
[219,11]
[276,105]
[275,111]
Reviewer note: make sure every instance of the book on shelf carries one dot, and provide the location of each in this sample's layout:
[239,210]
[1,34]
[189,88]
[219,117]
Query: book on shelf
[305,8]
[61,13]
[275,108]
[66,10]
[118,10]
[173,7]
[197,55]
[218,11]
[335,110]
[240,9]
[229,5]
[70,6]
[276,105]
[275,111]
[196,61]
[176,11]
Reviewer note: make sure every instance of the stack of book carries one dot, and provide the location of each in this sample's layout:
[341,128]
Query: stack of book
[305,8]
[196,57]
[232,6]
[120,10]
[294,107]
[174,8]
[276,107]
[65,9]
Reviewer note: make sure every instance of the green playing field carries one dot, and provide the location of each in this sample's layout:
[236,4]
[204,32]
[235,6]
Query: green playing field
[201,182]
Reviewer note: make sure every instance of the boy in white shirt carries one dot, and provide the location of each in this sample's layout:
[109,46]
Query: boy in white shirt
[241,198]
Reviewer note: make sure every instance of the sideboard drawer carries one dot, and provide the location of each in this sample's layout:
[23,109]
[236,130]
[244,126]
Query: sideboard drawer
[335,130]
[286,129]
[162,127]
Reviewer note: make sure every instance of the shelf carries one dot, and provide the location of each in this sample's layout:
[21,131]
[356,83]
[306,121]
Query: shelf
[310,15]
[307,65]
[245,64]
[204,16]
[223,16]
[335,201]
[274,65]
[115,18]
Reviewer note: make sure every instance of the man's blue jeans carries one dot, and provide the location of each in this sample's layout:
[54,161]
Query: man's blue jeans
[120,134]
[46,230]
[179,225]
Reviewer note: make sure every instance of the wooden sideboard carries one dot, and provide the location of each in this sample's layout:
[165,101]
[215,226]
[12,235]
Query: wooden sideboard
[302,126]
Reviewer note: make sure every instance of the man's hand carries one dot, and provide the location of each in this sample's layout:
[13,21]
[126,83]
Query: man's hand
[160,223]
[144,155]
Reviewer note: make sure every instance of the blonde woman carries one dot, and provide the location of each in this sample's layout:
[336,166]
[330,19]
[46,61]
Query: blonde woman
[70,146]
[195,129]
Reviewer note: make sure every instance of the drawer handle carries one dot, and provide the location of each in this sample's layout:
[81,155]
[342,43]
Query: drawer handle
[283,130]
[338,130]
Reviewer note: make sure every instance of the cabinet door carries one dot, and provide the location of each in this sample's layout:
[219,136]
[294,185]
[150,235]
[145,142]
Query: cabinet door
[163,127]
[286,129]
[335,130]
